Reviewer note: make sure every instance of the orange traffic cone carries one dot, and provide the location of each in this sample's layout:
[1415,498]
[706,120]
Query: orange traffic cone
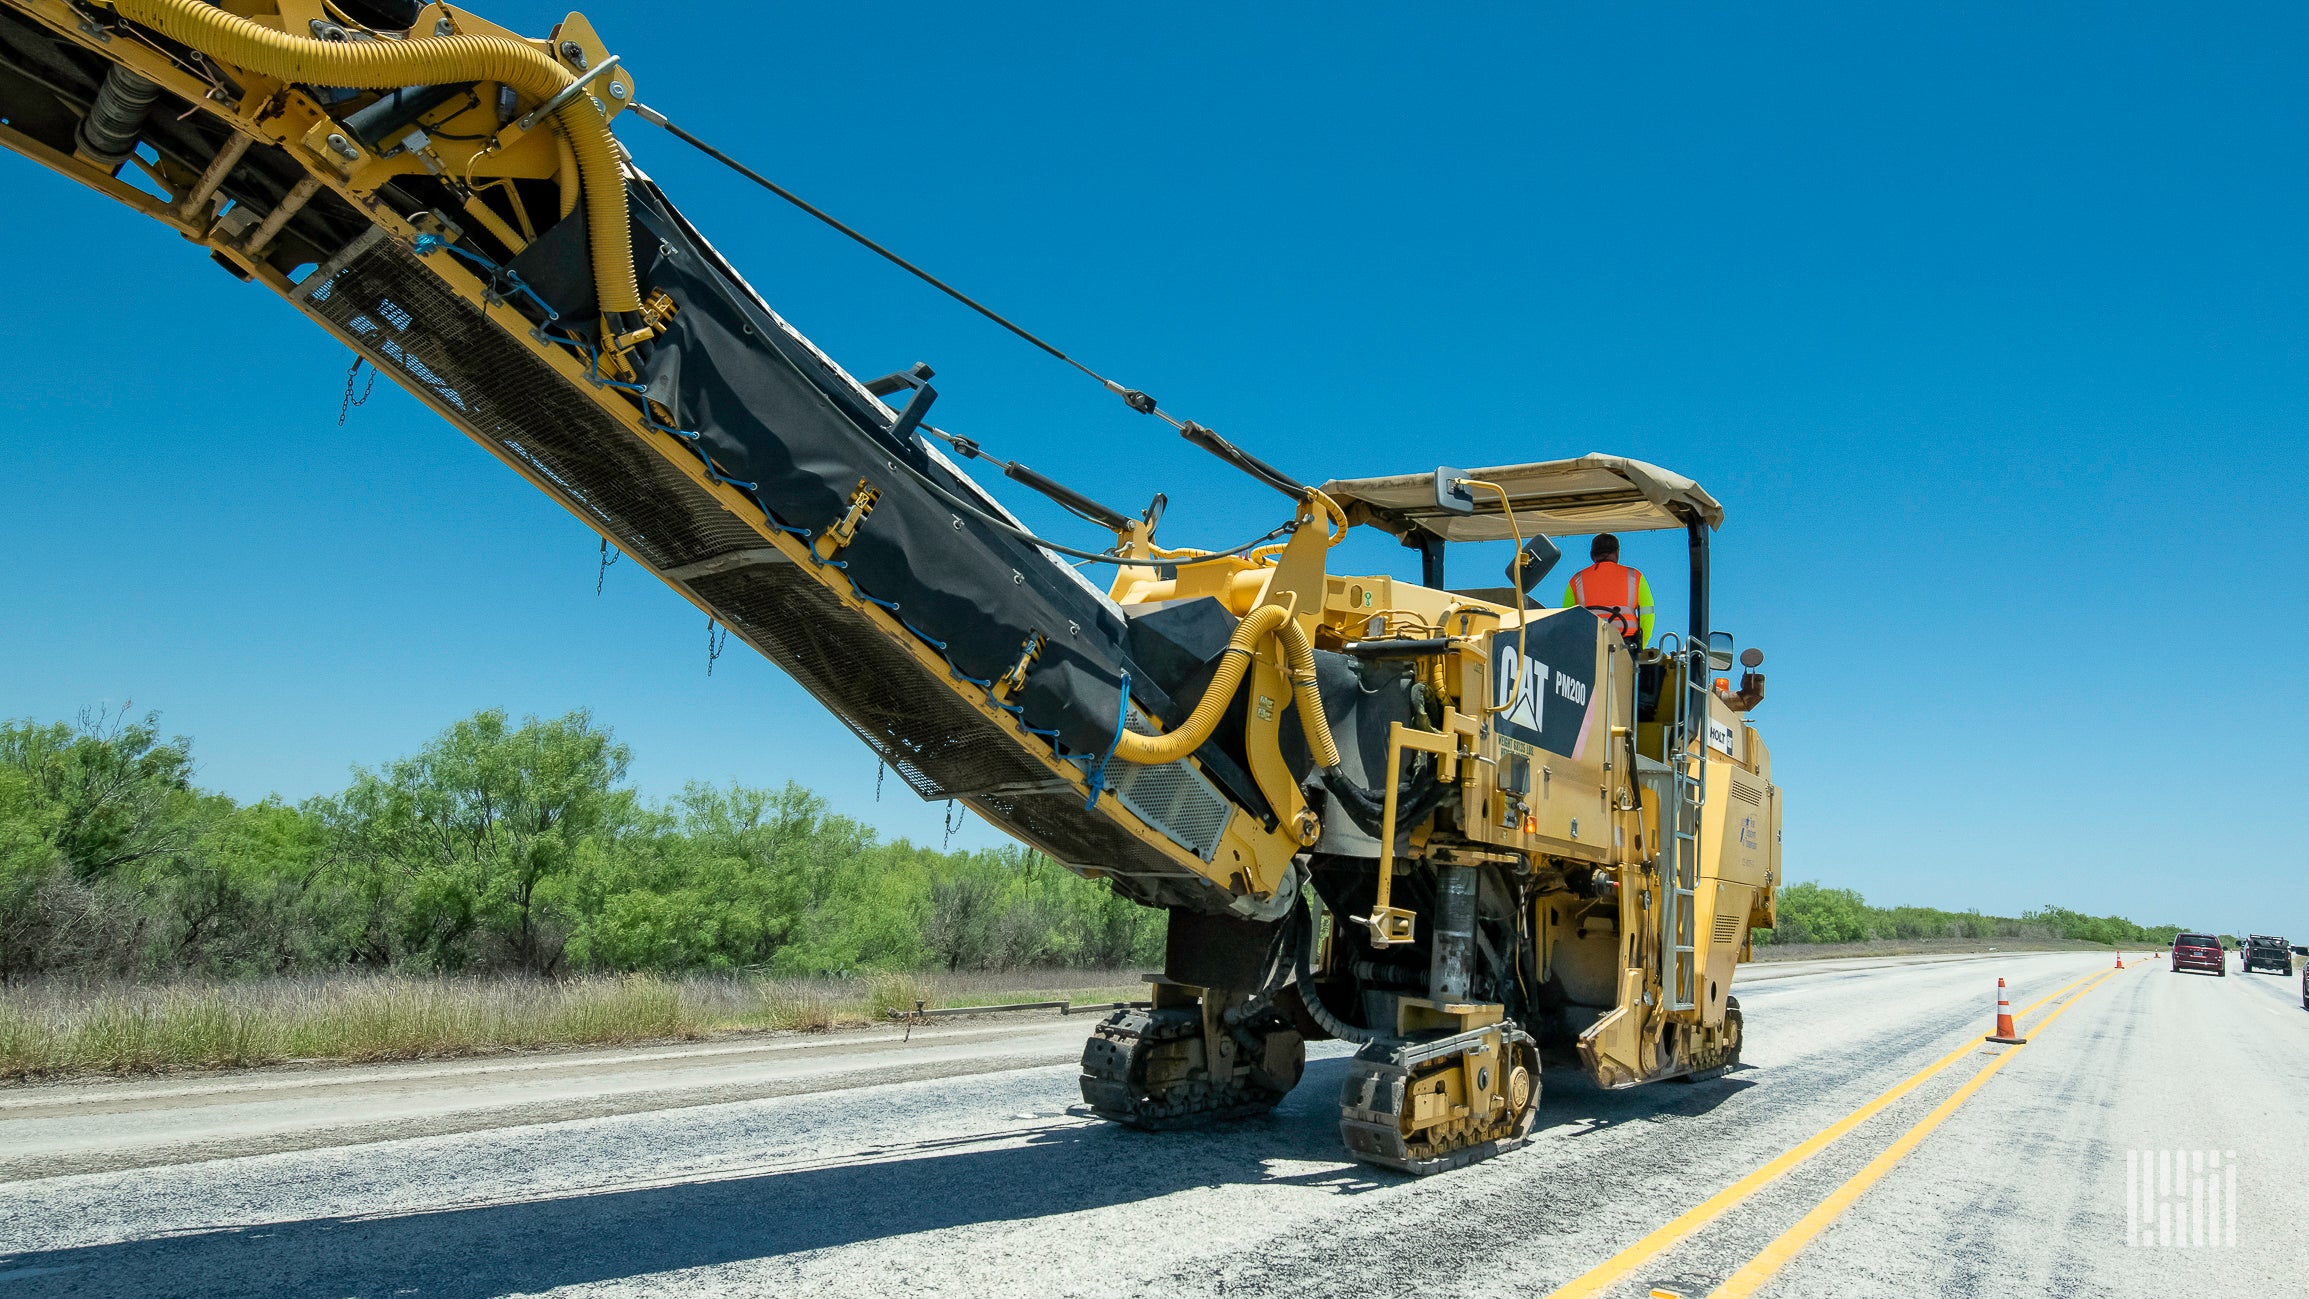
[2005,1032]
[2120,960]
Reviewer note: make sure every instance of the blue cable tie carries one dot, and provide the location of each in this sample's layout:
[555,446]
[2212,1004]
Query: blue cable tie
[925,637]
[593,372]
[542,305]
[1020,713]
[1121,717]
[428,244]
[960,675]
[649,420]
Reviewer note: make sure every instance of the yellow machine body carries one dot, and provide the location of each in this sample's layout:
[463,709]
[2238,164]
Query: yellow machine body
[1464,831]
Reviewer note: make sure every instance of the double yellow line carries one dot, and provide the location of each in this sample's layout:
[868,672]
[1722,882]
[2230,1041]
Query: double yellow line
[1776,1255]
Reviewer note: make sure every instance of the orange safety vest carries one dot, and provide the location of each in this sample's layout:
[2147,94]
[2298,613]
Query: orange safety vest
[1606,588]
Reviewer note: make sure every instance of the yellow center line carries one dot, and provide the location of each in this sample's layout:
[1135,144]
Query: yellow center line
[1776,1255]
[1612,1270]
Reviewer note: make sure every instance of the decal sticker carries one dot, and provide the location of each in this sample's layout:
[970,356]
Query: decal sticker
[1720,738]
[1556,707]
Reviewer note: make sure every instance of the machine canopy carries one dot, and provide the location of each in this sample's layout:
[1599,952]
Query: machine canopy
[1594,493]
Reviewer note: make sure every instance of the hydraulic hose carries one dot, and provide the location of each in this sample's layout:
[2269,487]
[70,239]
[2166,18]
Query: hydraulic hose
[1234,660]
[1313,1000]
[432,60]
[565,173]
[1300,654]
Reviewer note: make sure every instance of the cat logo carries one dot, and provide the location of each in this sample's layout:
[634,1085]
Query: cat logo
[1544,691]
[1528,696]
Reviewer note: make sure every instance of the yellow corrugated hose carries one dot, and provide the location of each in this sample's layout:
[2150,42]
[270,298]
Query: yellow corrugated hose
[433,60]
[1267,619]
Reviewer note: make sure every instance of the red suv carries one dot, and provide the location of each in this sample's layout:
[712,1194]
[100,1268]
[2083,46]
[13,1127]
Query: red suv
[2200,952]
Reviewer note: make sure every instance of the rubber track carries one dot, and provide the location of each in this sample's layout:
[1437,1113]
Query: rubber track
[1371,1103]
[1738,1021]
[1114,1067]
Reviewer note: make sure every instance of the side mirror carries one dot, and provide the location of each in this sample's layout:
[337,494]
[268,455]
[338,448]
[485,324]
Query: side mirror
[1537,559]
[2299,950]
[1451,493]
[1751,658]
[1719,651]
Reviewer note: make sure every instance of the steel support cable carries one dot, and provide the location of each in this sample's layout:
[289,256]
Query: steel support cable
[428,244]
[1029,538]
[1139,401]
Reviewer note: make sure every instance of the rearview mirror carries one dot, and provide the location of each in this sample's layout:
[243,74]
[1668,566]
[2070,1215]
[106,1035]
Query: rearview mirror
[1451,493]
[1719,651]
[1537,557]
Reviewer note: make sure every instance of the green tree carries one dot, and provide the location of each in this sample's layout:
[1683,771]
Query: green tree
[460,847]
[111,793]
[1812,913]
[89,814]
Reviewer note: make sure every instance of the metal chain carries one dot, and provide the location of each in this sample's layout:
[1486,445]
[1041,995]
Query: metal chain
[345,407]
[610,556]
[954,820]
[714,644]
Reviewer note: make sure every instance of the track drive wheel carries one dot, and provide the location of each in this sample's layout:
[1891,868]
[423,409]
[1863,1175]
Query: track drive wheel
[1149,1069]
[1405,1103]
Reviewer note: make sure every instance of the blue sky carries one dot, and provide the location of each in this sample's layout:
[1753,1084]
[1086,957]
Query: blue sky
[1984,322]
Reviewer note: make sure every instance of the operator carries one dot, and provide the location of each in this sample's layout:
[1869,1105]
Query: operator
[1616,594]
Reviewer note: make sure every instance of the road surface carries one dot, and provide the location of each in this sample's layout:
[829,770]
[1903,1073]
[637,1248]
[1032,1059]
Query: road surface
[959,1163]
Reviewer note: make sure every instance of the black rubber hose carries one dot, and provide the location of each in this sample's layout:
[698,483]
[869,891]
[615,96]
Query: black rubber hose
[1367,808]
[1313,1000]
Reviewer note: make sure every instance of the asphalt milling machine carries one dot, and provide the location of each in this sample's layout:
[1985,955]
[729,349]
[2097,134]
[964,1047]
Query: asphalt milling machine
[1467,833]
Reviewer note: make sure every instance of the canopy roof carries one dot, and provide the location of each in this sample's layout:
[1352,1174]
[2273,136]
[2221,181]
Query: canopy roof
[1594,493]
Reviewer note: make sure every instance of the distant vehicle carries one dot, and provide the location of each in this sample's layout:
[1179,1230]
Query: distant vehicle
[2201,952]
[2265,952]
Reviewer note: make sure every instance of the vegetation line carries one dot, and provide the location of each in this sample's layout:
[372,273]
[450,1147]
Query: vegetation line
[497,849]
[58,1027]
[506,888]
[1814,913]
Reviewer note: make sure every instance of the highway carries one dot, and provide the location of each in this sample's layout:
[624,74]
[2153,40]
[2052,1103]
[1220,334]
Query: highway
[959,1163]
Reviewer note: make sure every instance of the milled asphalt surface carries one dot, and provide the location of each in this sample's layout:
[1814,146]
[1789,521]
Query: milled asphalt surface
[959,1164]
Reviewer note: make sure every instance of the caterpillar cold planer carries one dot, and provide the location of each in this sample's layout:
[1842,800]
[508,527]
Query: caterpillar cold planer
[1464,832]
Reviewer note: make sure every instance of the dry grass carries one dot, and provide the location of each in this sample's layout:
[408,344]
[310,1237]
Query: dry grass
[75,1028]
[60,1028]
